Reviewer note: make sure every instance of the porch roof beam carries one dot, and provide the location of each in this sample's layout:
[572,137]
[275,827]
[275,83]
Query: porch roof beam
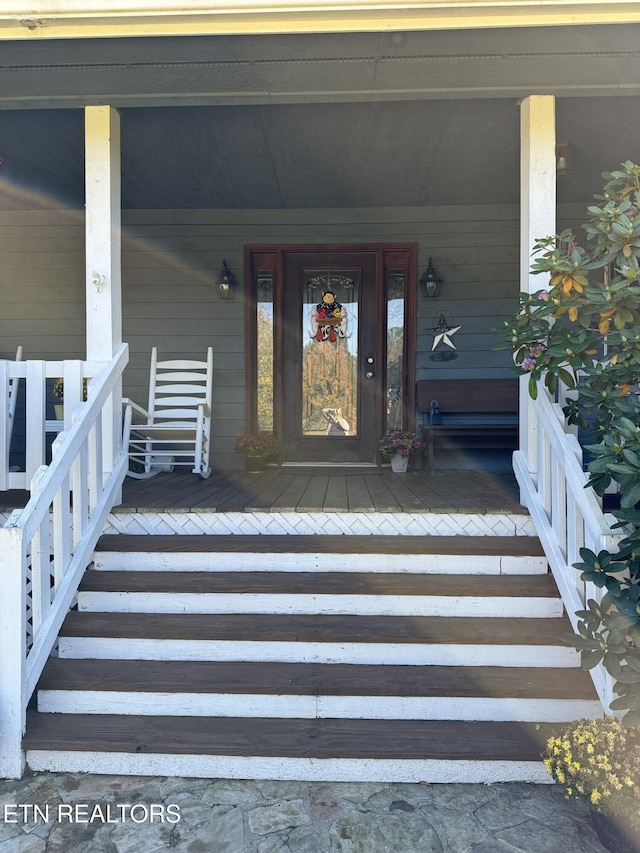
[48,19]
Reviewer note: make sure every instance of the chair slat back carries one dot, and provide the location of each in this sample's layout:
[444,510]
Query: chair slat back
[176,388]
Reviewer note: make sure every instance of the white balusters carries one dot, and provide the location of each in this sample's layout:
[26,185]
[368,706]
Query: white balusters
[45,548]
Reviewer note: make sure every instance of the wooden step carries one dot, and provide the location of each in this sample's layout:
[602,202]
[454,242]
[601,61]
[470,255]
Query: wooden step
[313,583]
[347,658]
[313,544]
[433,554]
[319,592]
[321,638]
[313,679]
[329,749]
[213,688]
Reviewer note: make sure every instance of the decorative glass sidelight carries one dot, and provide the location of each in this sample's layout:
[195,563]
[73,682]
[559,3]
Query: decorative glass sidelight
[395,348]
[264,347]
[330,354]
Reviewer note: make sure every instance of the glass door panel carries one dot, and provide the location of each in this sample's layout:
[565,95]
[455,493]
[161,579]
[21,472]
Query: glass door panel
[330,354]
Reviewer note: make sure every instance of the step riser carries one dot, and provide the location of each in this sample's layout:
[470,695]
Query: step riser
[362,605]
[288,769]
[317,707]
[304,652]
[296,562]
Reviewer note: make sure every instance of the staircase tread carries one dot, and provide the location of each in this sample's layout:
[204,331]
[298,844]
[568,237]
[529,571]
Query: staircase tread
[317,738]
[291,679]
[317,628]
[313,544]
[327,583]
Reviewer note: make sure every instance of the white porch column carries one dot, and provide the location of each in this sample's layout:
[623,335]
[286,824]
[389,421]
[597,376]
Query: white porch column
[12,653]
[103,255]
[537,219]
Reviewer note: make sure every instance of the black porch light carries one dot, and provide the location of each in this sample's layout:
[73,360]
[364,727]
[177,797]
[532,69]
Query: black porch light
[564,158]
[226,282]
[430,281]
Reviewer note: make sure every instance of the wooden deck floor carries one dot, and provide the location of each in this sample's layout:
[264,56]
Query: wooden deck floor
[319,490]
[332,490]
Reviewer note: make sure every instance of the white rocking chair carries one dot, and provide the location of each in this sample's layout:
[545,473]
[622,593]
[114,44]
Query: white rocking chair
[176,430]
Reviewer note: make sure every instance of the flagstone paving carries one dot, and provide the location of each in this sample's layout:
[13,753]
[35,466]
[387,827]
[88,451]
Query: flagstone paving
[80,813]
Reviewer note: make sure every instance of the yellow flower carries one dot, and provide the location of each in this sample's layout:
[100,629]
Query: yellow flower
[596,796]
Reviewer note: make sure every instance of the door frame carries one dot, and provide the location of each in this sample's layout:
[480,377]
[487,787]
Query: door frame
[270,257]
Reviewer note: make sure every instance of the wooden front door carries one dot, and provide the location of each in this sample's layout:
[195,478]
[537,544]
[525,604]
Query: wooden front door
[341,323]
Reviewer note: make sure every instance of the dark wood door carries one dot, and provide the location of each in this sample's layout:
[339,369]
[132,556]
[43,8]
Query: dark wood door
[331,356]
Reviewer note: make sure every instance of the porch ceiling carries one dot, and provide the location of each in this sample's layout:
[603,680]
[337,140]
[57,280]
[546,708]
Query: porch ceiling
[359,120]
[359,155]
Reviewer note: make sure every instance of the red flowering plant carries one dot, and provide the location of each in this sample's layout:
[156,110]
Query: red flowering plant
[399,443]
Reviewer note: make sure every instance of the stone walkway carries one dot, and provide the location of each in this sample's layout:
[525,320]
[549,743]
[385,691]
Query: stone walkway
[78,813]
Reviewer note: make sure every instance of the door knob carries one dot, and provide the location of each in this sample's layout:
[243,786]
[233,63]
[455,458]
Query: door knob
[369,374]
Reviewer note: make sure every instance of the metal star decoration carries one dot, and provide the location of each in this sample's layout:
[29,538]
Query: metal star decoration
[443,333]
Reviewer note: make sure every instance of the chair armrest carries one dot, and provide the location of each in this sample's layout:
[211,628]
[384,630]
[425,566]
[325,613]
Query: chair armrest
[204,407]
[135,407]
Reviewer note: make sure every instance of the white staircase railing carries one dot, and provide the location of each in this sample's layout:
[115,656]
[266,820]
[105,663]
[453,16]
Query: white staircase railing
[45,548]
[567,516]
[35,375]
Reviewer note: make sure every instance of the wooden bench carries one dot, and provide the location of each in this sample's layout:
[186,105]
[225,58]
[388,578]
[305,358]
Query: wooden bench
[478,414]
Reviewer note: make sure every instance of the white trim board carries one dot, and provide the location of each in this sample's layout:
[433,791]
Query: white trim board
[482,708]
[290,769]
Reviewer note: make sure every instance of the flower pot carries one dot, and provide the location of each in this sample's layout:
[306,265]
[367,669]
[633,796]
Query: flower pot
[399,464]
[614,834]
[58,409]
[256,464]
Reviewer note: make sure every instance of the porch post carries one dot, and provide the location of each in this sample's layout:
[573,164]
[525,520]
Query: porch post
[103,256]
[537,219]
[12,653]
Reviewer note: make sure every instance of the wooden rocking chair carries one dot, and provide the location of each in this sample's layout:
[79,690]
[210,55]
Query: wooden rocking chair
[176,428]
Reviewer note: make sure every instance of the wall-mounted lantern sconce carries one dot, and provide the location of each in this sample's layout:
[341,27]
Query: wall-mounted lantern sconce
[226,282]
[564,158]
[430,281]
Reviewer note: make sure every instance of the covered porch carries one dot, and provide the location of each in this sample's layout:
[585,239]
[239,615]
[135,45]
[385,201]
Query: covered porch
[195,150]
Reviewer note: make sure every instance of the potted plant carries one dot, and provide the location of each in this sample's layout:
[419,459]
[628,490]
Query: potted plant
[257,448]
[598,763]
[397,446]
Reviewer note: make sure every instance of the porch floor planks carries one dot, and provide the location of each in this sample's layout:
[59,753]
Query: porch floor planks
[358,497]
[233,486]
[313,738]
[312,679]
[314,495]
[336,497]
[407,500]
[290,498]
[252,487]
[263,499]
[335,489]
[381,497]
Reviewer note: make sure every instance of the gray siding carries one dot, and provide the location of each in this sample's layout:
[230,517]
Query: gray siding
[171,260]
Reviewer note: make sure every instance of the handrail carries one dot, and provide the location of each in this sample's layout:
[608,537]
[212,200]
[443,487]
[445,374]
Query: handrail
[566,514]
[47,546]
